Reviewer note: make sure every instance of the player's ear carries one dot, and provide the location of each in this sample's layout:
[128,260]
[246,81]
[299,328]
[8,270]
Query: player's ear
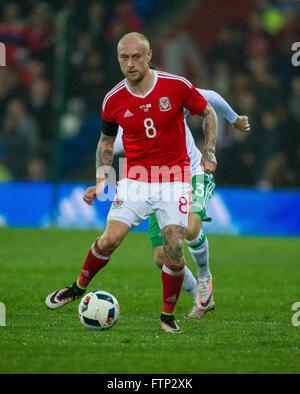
[149,55]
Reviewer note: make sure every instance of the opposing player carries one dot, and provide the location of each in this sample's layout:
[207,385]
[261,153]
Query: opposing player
[149,106]
[203,188]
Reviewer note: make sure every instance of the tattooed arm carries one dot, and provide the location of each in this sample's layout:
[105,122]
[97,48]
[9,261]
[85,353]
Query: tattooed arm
[104,156]
[104,160]
[210,130]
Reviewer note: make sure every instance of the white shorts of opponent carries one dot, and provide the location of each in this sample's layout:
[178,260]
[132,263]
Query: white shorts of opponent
[135,201]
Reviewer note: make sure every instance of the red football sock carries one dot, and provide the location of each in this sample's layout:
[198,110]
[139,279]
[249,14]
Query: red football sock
[95,260]
[172,283]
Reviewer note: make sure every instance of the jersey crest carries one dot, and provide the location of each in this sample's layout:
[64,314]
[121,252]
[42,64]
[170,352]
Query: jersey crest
[164,103]
[117,203]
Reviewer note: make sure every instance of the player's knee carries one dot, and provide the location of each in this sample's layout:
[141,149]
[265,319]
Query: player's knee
[108,242]
[194,227]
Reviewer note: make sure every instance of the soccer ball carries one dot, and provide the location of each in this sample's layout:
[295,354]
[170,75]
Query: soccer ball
[98,310]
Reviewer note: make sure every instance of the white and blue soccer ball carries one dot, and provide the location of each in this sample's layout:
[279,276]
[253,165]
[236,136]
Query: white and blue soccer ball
[98,310]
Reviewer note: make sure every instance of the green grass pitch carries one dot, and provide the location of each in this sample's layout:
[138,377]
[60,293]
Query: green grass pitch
[256,282]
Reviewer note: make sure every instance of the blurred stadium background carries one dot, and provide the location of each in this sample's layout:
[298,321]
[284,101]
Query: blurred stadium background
[61,60]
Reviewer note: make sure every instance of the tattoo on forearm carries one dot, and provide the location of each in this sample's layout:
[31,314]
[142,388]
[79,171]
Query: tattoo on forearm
[210,156]
[105,157]
[210,130]
[104,152]
[210,150]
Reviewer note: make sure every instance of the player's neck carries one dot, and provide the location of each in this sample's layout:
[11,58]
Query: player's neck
[142,87]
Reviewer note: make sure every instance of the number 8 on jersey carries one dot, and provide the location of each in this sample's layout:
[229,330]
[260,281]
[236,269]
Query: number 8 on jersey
[150,129]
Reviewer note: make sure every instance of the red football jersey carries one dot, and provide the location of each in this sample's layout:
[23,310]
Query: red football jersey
[153,126]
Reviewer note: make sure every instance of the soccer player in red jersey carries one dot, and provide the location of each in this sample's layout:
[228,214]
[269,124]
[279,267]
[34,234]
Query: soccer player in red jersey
[149,106]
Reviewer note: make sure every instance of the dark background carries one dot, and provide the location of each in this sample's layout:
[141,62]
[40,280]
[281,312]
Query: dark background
[61,60]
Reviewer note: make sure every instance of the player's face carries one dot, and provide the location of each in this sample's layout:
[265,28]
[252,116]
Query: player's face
[134,57]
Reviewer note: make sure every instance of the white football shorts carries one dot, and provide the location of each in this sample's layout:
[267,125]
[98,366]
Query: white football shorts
[135,201]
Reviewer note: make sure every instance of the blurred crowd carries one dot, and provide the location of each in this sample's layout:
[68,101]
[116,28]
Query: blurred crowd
[248,64]
[251,66]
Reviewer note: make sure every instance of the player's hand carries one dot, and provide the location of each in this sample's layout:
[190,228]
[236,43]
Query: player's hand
[242,124]
[90,195]
[93,192]
[208,162]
